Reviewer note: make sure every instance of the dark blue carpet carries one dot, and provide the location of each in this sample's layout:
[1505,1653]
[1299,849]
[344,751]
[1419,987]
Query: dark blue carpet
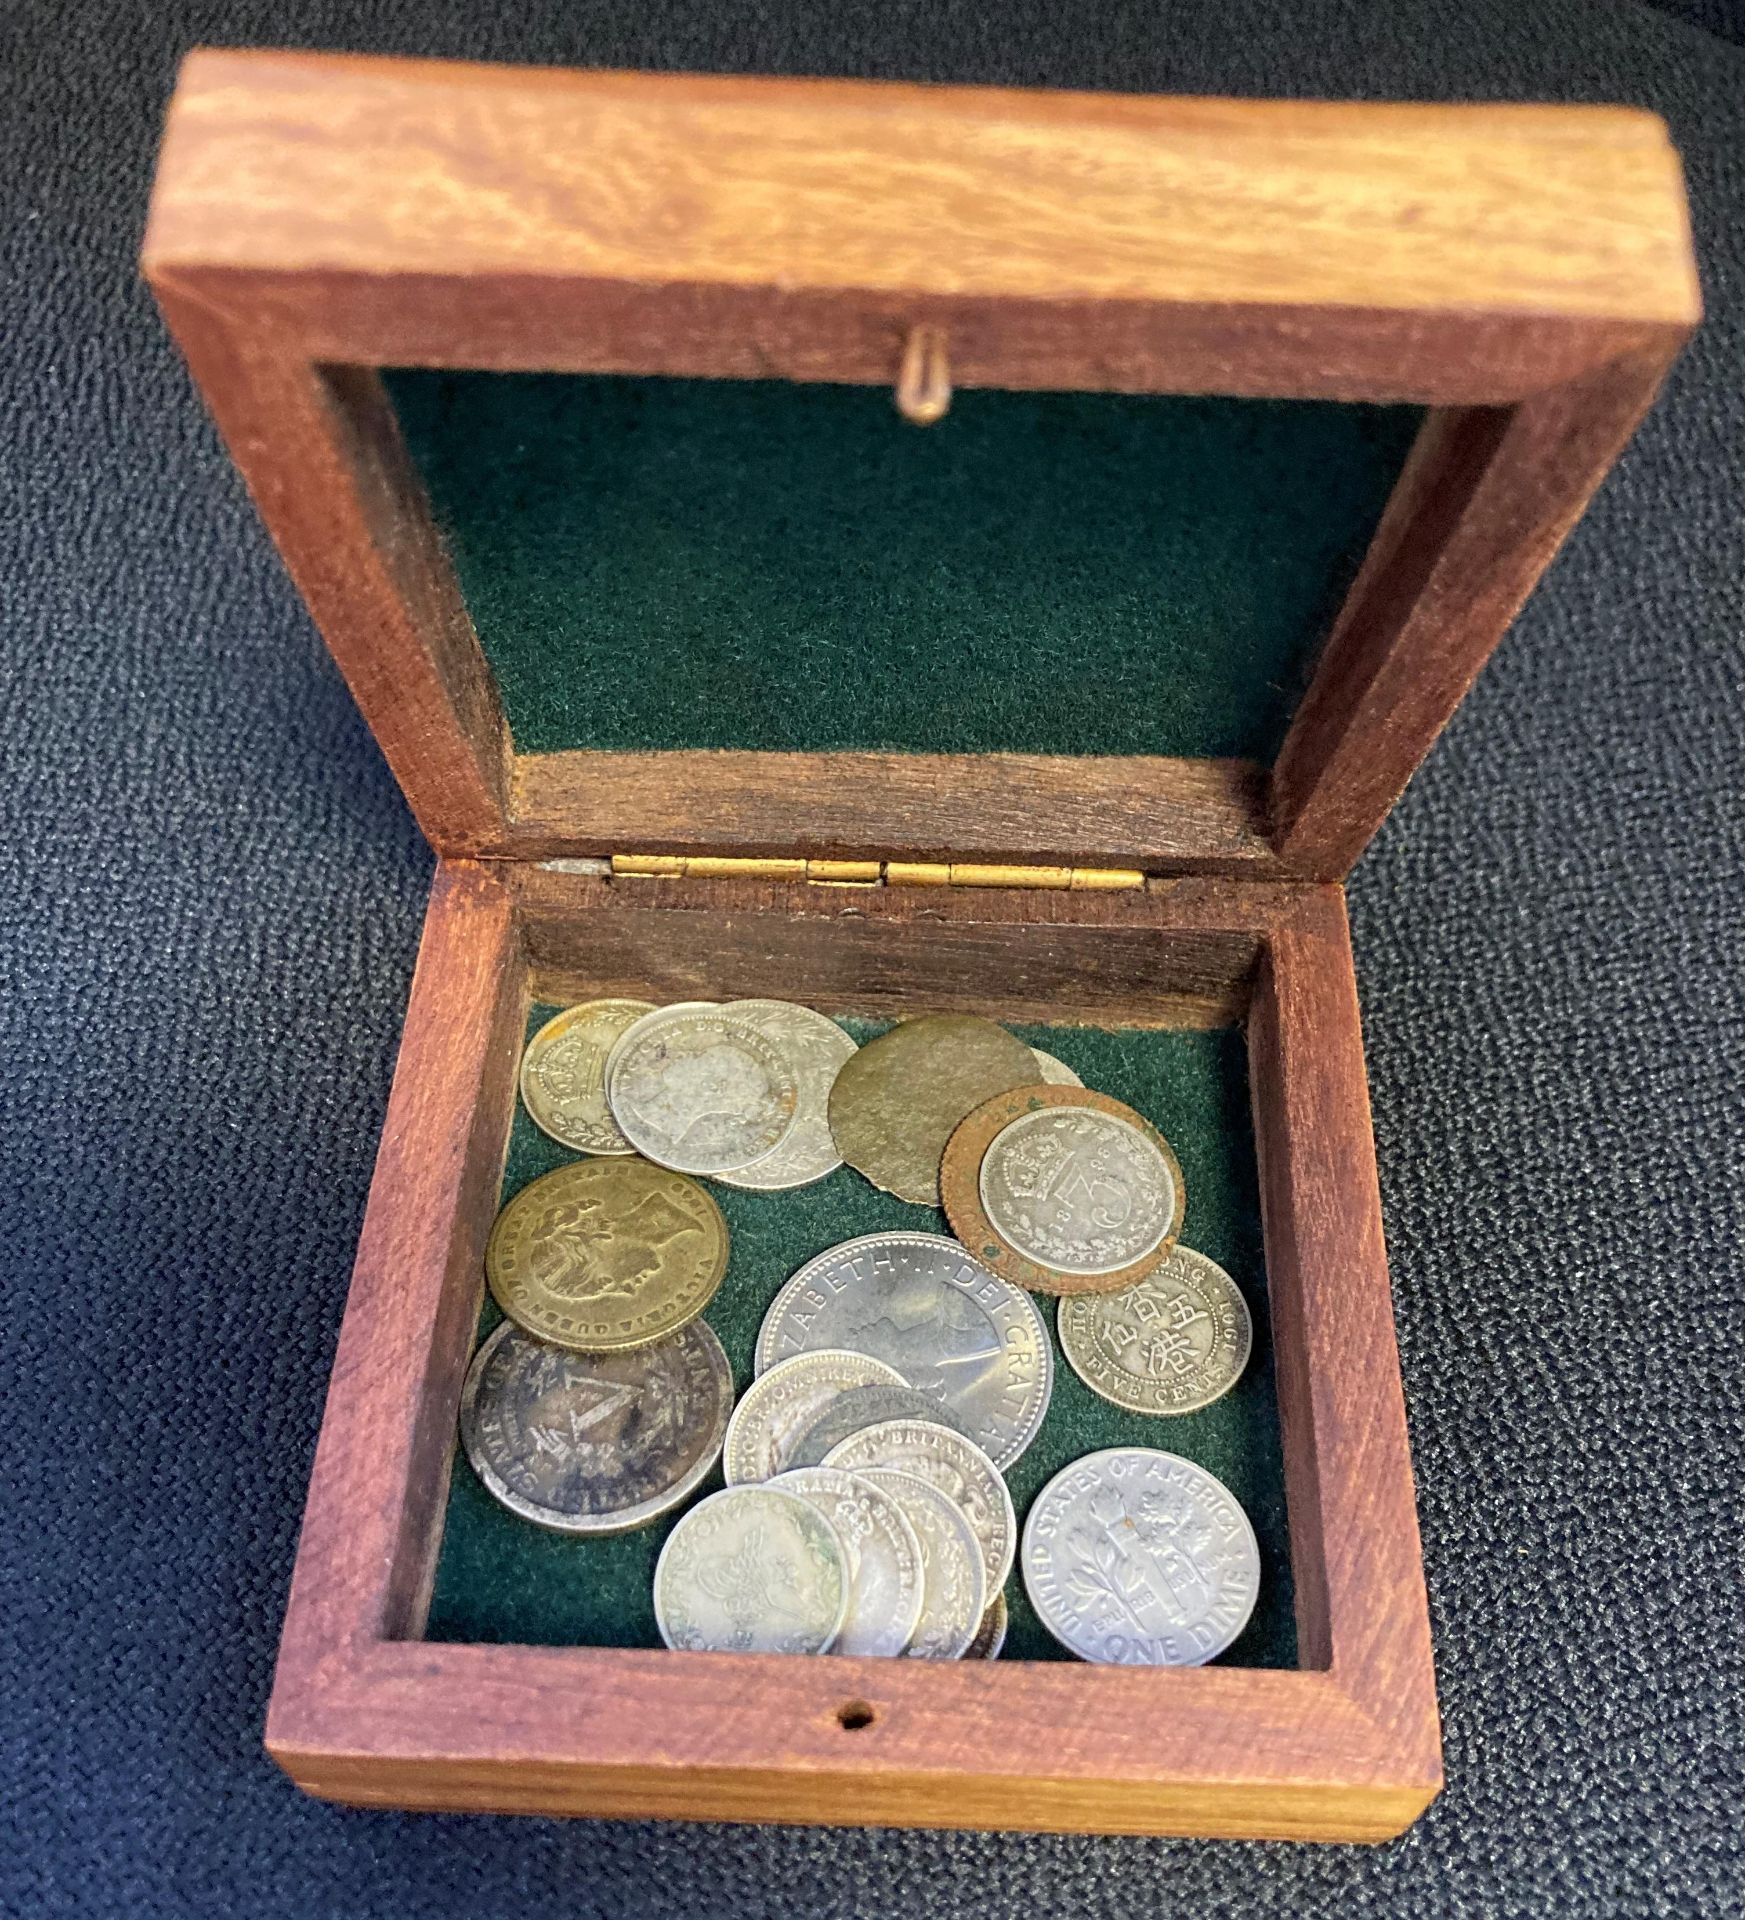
[211,894]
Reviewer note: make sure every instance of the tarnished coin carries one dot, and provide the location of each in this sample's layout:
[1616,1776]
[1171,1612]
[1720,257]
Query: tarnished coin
[894,1104]
[1054,1073]
[991,1634]
[751,1570]
[606,1254]
[700,1089]
[595,1442]
[1171,1343]
[816,1047]
[563,1074]
[953,1587]
[954,1331]
[862,1407]
[777,1408]
[1063,1190]
[1136,1558]
[956,1466]
[884,1558]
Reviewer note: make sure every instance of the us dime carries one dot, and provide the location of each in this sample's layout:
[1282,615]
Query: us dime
[957,1333]
[563,1074]
[884,1558]
[816,1047]
[605,1254]
[895,1103]
[991,1634]
[957,1467]
[751,1570]
[1054,1073]
[700,1089]
[1171,1343]
[862,1407]
[1136,1558]
[953,1586]
[594,1443]
[778,1407]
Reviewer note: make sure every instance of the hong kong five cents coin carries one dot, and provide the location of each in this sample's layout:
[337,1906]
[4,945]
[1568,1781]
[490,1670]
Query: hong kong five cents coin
[752,1570]
[700,1089]
[957,1467]
[563,1074]
[601,1255]
[1063,1190]
[884,1558]
[895,1103]
[1171,1343]
[816,1047]
[777,1408]
[953,1586]
[595,1442]
[968,1340]
[1136,1558]
[991,1634]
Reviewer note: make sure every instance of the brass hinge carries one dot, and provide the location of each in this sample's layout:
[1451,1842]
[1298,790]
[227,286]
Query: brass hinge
[872,873]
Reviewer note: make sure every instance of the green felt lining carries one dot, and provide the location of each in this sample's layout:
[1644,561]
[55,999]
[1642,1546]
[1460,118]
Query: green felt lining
[758,564]
[500,1578]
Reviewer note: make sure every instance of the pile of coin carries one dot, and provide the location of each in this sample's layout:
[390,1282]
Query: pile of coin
[898,1375]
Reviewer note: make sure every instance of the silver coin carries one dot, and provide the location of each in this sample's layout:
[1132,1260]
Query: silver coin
[816,1046]
[1055,1073]
[991,1634]
[563,1074]
[776,1409]
[1138,1558]
[595,1442]
[1171,1343]
[860,1407]
[751,1570]
[698,1089]
[953,1586]
[969,1340]
[884,1558]
[956,1466]
[1077,1190]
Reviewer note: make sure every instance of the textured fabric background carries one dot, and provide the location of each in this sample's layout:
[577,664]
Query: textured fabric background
[211,894]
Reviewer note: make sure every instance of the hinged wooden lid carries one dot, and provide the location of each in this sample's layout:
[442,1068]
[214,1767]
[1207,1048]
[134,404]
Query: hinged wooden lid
[1524,274]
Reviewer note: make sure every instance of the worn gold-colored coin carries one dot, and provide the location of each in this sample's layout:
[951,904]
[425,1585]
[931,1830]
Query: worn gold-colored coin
[563,1074]
[895,1102]
[1063,1190]
[1171,1343]
[607,1254]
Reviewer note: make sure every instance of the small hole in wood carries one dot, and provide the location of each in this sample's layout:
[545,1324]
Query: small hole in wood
[852,1715]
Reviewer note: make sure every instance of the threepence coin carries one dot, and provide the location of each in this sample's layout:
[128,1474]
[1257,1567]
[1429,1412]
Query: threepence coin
[816,1047]
[1136,1558]
[778,1407]
[563,1084]
[991,1634]
[1054,1073]
[862,1407]
[1063,1190]
[1171,1343]
[957,1467]
[701,1089]
[595,1442]
[953,1586]
[601,1255]
[751,1570]
[884,1558]
[895,1103]
[954,1331]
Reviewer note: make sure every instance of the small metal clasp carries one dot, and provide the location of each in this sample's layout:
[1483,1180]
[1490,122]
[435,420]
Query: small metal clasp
[924,381]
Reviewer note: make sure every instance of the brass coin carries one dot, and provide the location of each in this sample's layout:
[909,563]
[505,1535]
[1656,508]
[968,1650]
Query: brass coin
[1096,1198]
[607,1254]
[896,1101]
[563,1074]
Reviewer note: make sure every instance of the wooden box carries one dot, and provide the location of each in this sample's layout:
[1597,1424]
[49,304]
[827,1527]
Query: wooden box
[1520,275]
